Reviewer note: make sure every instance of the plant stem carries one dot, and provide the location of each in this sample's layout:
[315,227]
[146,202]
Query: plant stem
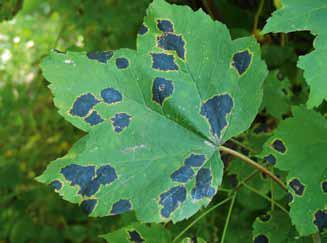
[316,238]
[200,217]
[254,164]
[231,206]
[265,197]
[241,145]
[272,192]
[257,15]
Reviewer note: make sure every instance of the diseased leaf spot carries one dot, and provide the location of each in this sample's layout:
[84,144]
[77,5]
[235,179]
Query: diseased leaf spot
[88,205]
[165,25]
[195,160]
[122,63]
[265,217]
[100,56]
[94,119]
[270,159]
[172,42]
[321,219]
[324,186]
[161,89]
[297,186]
[83,105]
[261,239]
[86,179]
[216,110]
[202,185]
[279,146]
[121,206]
[57,185]
[163,62]
[241,61]
[171,199]
[183,174]
[143,30]
[121,121]
[135,236]
[111,95]
[290,198]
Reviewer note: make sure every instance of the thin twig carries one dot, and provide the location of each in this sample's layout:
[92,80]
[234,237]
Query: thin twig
[200,217]
[231,206]
[257,16]
[254,164]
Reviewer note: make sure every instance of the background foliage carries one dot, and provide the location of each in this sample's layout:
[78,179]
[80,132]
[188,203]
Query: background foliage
[32,133]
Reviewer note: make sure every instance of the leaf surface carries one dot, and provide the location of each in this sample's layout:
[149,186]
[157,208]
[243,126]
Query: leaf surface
[300,15]
[154,117]
[299,147]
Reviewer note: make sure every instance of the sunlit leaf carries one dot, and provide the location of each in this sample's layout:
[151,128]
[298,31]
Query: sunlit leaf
[155,117]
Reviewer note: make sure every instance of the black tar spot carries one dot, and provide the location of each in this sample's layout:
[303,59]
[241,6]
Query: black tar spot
[261,239]
[279,146]
[321,219]
[270,159]
[165,25]
[121,121]
[297,186]
[171,199]
[161,89]
[122,63]
[56,185]
[216,110]
[203,186]
[83,105]
[143,30]
[121,206]
[241,61]
[172,42]
[135,237]
[100,56]
[88,205]
[94,119]
[163,62]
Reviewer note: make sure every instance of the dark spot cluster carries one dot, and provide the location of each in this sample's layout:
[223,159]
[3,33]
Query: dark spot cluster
[320,219]
[111,95]
[163,62]
[88,178]
[88,205]
[121,121]
[297,186]
[83,104]
[324,186]
[143,30]
[172,42]
[57,185]
[161,89]
[265,217]
[135,236]
[203,186]
[271,159]
[165,25]
[185,173]
[121,206]
[216,110]
[102,57]
[241,61]
[279,146]
[261,239]
[94,118]
[122,63]
[171,199]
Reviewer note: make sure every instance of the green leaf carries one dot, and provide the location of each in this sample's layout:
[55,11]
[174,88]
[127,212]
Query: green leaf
[299,15]
[273,227]
[193,240]
[298,146]
[276,95]
[154,117]
[9,8]
[139,233]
